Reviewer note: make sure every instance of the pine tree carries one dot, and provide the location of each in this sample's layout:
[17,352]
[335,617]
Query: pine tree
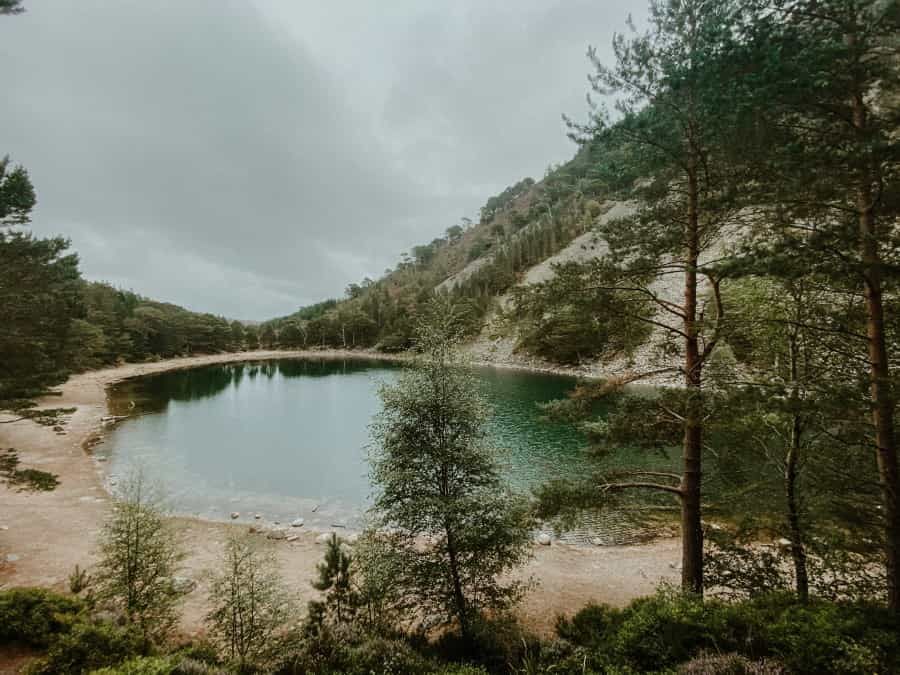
[336,580]
[249,603]
[139,556]
[674,137]
[827,93]
[454,529]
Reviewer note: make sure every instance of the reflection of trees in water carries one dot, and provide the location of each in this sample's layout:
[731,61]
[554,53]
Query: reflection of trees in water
[325,367]
[152,393]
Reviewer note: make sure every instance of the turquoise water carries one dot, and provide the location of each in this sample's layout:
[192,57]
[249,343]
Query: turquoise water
[288,438]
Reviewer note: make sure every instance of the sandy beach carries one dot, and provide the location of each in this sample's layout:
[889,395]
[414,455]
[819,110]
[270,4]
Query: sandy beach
[43,535]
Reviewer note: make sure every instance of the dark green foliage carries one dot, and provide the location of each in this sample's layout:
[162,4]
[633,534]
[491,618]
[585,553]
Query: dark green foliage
[503,200]
[496,644]
[35,616]
[355,655]
[40,293]
[567,319]
[146,665]
[335,581]
[665,630]
[591,626]
[88,646]
[435,477]
[126,326]
[17,197]
[24,479]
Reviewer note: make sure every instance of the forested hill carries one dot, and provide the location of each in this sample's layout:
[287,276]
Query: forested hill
[120,325]
[477,263]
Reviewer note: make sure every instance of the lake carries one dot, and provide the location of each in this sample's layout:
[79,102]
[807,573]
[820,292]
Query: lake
[288,438]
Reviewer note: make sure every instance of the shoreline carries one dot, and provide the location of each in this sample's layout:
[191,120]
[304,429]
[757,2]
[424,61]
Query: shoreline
[43,535]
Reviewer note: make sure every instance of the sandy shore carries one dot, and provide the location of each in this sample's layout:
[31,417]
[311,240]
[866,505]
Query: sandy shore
[44,535]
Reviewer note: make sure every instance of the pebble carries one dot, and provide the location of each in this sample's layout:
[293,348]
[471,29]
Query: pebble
[258,516]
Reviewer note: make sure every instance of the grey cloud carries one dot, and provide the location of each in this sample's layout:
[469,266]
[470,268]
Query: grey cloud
[249,158]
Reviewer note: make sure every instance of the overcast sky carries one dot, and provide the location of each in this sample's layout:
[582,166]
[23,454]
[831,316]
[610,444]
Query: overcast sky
[247,157]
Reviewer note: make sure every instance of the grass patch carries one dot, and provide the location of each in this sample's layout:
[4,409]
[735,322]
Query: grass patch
[32,480]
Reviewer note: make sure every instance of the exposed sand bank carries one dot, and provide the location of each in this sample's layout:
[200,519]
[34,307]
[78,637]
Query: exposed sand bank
[44,535]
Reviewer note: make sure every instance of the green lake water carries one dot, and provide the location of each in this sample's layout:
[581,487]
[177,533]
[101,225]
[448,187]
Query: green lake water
[288,438]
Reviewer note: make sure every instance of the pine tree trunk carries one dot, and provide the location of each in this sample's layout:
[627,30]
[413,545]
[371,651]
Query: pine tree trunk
[798,549]
[879,374]
[459,598]
[691,526]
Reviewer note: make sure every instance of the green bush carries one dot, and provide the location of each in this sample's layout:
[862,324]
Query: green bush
[666,629]
[833,637]
[380,655]
[143,665]
[591,626]
[496,643]
[729,664]
[88,646]
[761,635]
[34,616]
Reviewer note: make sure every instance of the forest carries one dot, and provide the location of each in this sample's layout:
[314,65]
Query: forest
[756,273]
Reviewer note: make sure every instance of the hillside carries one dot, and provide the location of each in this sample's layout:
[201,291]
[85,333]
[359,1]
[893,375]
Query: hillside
[521,235]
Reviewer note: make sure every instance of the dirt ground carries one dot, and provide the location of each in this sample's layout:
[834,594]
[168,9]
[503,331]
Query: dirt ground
[43,535]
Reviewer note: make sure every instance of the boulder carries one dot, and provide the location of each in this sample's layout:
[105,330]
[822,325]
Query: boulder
[297,523]
[183,585]
[277,533]
[544,539]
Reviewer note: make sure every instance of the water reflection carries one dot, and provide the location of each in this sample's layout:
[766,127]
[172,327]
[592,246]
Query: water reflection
[288,438]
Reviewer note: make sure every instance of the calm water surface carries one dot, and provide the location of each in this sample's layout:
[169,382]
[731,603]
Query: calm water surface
[288,438]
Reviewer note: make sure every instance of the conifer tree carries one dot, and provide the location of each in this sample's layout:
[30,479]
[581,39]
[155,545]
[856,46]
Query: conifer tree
[336,580]
[673,139]
[455,530]
[249,603]
[827,93]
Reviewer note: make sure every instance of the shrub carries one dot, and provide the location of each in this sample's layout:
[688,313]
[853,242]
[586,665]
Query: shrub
[142,665]
[88,646]
[341,651]
[140,554]
[591,626]
[380,655]
[729,664]
[832,637]
[664,630]
[497,643]
[34,616]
